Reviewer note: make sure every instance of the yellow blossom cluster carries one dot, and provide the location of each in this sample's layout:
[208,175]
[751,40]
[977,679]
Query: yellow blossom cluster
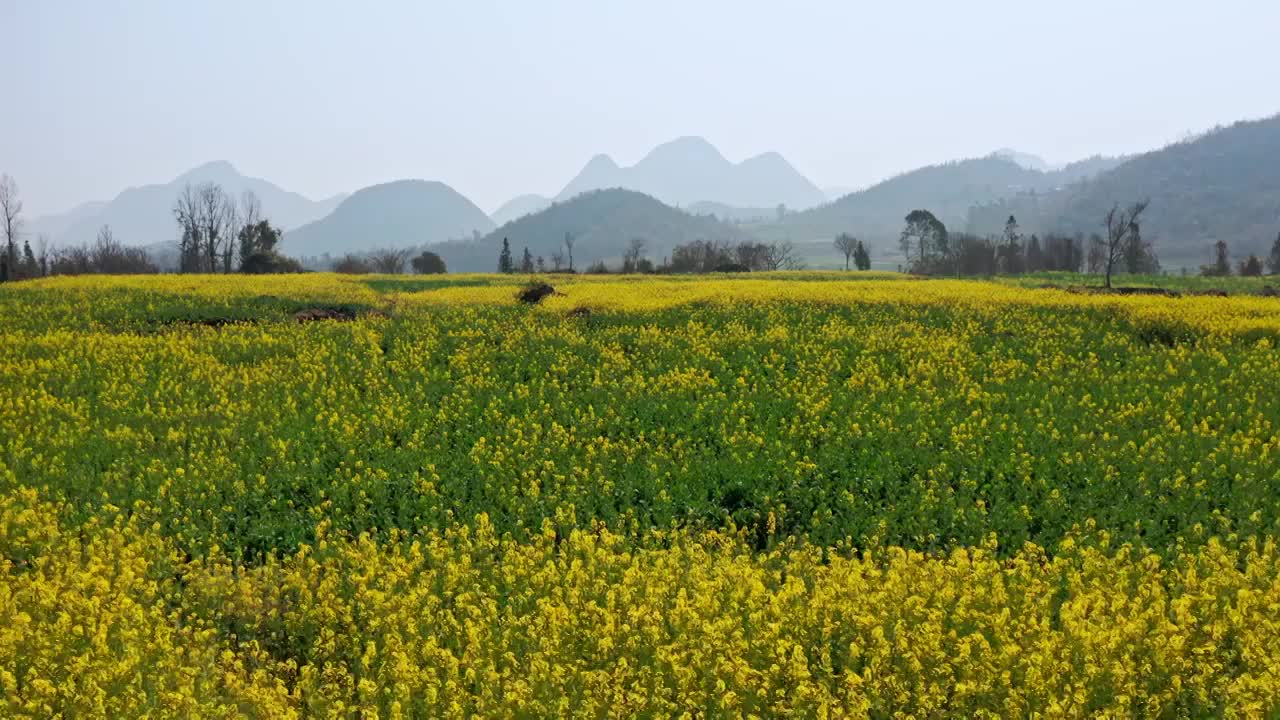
[775,494]
[108,621]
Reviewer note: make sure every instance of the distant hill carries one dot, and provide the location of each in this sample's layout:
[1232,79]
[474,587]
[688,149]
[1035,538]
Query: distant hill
[948,191]
[55,225]
[730,213]
[1224,184]
[603,223]
[518,207]
[404,213]
[690,169]
[143,216]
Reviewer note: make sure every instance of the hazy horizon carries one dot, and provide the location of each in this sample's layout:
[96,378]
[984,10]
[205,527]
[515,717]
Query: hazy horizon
[503,99]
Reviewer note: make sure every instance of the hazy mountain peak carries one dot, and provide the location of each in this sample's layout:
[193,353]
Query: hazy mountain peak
[689,148]
[769,159]
[399,213]
[690,169]
[1026,160]
[518,207]
[601,161]
[215,170]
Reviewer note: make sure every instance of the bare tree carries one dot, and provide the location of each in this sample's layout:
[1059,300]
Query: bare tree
[631,257]
[231,227]
[208,217]
[215,218]
[781,256]
[186,210]
[748,255]
[389,261]
[557,261]
[11,217]
[1122,229]
[848,245]
[109,256]
[250,209]
[569,240]
[44,251]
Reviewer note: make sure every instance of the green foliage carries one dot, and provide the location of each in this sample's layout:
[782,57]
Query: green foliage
[352,264]
[267,263]
[428,263]
[928,235]
[258,251]
[1221,266]
[861,257]
[505,264]
[258,238]
[1251,266]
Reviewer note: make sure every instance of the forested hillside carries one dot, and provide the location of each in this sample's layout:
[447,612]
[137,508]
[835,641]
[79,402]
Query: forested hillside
[948,190]
[601,224]
[1224,185]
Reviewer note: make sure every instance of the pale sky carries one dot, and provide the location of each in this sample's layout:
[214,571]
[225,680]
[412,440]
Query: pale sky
[503,98]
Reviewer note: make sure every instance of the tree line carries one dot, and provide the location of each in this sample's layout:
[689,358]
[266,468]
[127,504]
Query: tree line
[105,255]
[1251,266]
[698,256]
[930,249]
[389,261]
[218,233]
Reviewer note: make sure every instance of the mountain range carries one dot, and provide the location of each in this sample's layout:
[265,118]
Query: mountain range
[690,169]
[1223,184]
[143,216]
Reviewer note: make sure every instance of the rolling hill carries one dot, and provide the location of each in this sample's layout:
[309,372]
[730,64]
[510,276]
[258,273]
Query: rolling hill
[399,214]
[143,216]
[948,190]
[1224,184]
[690,169]
[603,223]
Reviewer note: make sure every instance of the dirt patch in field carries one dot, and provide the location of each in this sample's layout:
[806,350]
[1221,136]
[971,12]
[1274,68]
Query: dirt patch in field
[535,293]
[335,314]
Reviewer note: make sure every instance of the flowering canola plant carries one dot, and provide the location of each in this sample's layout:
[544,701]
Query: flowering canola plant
[778,494]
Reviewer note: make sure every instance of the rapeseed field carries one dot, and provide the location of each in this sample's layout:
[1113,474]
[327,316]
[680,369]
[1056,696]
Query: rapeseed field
[817,495]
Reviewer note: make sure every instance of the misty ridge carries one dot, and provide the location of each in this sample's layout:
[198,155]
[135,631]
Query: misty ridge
[1213,194]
